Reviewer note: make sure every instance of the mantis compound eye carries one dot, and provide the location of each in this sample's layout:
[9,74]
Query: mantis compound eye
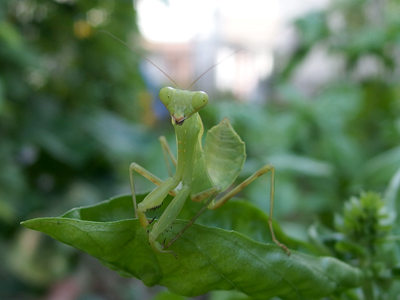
[199,100]
[166,94]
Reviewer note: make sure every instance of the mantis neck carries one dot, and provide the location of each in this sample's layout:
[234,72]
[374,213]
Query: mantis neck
[187,137]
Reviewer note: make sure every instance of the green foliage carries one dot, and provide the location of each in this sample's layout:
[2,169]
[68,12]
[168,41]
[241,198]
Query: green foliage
[367,238]
[70,101]
[229,249]
[365,219]
[62,88]
[337,137]
[366,222]
[209,258]
[67,101]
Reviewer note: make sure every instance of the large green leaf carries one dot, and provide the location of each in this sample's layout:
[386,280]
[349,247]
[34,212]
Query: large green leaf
[209,258]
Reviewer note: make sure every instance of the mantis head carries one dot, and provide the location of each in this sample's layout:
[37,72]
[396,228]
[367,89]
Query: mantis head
[182,104]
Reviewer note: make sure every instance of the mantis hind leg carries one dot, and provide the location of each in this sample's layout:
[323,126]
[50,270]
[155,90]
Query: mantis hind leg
[233,192]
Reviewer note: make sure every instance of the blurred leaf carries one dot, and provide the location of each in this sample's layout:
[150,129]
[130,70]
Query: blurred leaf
[302,165]
[168,296]
[337,104]
[116,136]
[7,212]
[392,197]
[2,96]
[34,260]
[208,258]
[366,39]
[228,295]
[316,240]
[58,80]
[10,35]
[312,28]
[380,168]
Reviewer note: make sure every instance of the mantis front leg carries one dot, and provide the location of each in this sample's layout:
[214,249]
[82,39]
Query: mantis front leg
[153,178]
[154,200]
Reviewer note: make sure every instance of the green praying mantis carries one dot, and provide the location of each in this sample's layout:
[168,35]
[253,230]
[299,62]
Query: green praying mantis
[201,174]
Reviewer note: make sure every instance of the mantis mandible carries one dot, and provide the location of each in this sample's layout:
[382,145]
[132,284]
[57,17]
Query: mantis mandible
[202,174]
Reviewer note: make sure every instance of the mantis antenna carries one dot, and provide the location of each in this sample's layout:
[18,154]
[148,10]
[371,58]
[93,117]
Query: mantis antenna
[142,56]
[213,66]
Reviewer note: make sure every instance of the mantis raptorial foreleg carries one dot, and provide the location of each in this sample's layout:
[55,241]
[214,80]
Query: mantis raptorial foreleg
[155,199]
[150,176]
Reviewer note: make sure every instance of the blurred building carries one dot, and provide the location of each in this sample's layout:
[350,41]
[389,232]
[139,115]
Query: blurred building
[184,46]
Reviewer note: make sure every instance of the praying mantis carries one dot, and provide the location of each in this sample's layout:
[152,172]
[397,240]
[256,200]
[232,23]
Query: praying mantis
[201,174]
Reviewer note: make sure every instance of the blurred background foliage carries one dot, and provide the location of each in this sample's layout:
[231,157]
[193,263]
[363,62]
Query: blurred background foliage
[74,112]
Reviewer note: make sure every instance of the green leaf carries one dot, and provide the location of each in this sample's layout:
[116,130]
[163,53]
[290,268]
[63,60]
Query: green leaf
[209,258]
[302,165]
[168,296]
[381,168]
[392,194]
